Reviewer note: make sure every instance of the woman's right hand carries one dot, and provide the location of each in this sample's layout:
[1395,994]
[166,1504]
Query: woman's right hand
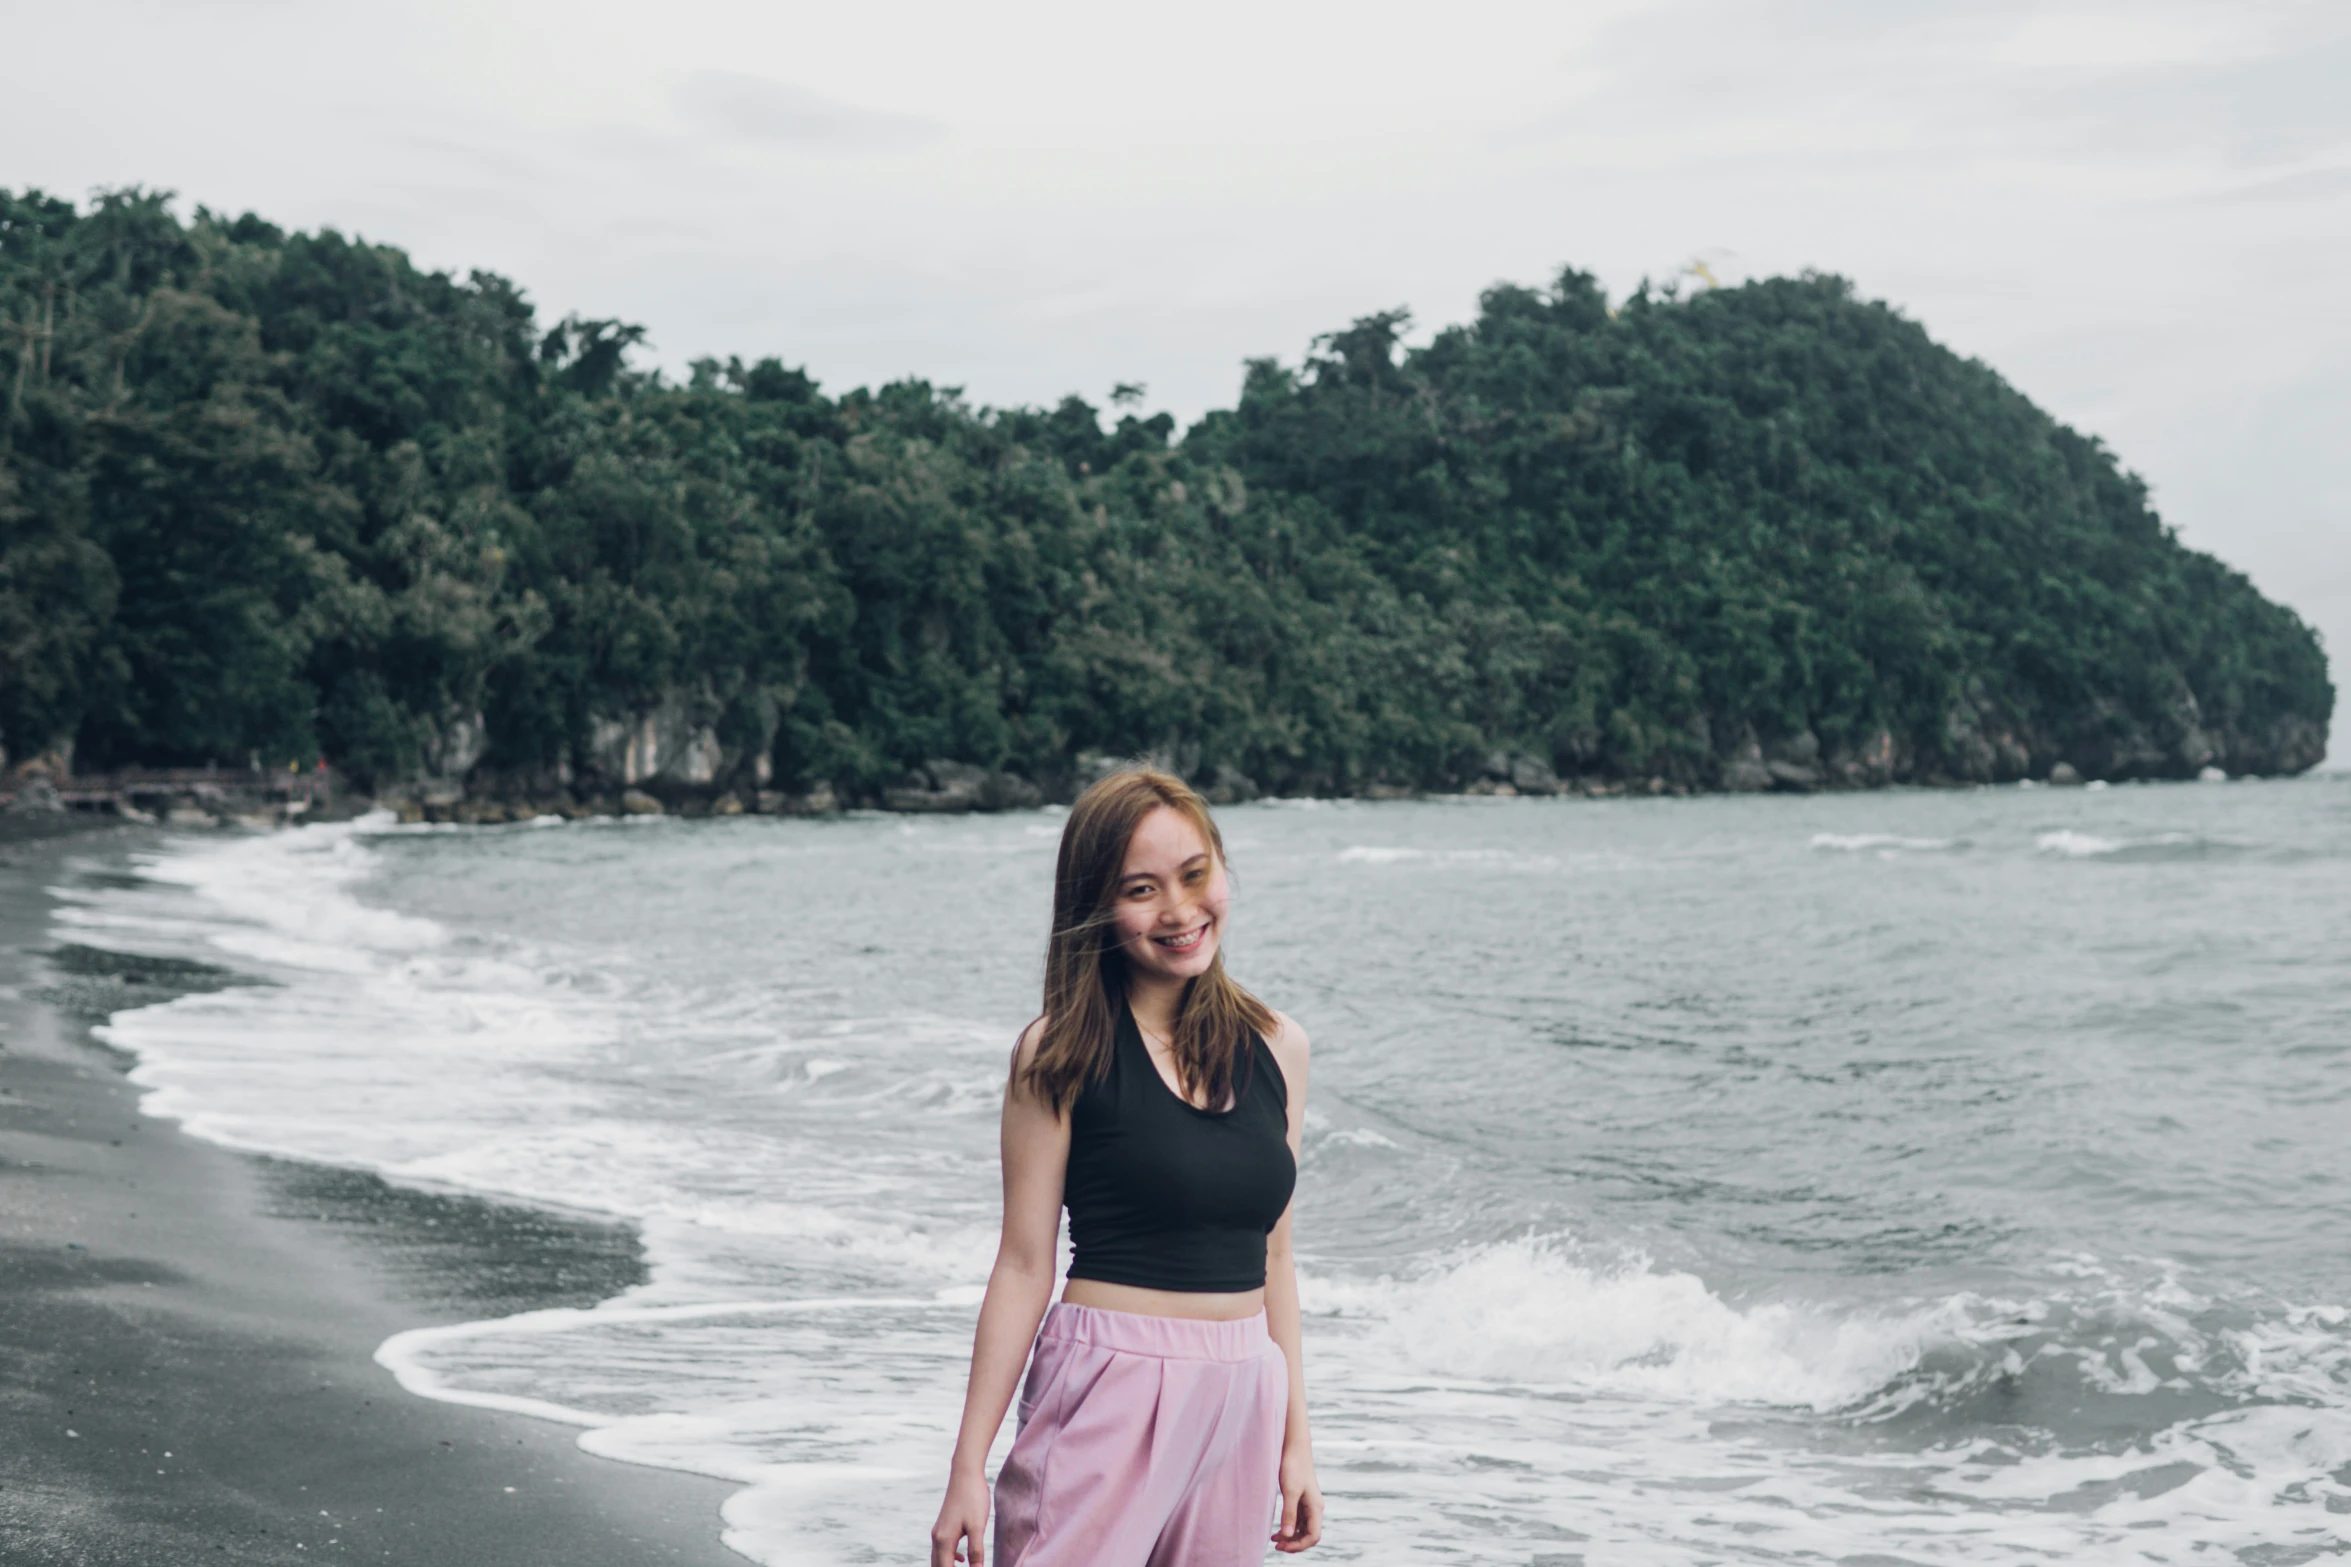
[963,1516]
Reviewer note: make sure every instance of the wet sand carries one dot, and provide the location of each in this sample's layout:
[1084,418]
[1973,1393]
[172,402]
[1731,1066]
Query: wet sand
[187,1334]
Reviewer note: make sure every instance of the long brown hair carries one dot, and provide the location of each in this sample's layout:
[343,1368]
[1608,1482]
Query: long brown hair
[1085,972]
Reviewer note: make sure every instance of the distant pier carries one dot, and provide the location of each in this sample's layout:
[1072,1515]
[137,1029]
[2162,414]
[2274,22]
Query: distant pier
[184,796]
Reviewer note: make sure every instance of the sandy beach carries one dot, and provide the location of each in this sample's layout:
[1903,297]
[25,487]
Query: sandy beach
[187,1333]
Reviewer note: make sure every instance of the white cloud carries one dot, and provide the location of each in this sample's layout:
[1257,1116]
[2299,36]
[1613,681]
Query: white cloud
[2129,39]
[749,108]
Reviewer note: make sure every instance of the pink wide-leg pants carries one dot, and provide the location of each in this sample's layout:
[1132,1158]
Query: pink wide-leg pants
[1144,1442]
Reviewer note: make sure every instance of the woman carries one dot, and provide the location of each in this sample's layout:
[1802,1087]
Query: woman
[1163,1420]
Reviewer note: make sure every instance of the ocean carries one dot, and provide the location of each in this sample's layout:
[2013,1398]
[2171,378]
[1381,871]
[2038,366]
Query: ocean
[1910,1177]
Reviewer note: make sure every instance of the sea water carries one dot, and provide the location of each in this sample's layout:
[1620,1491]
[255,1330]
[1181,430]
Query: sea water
[1910,1177]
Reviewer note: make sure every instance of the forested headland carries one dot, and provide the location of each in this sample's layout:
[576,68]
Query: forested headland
[269,497]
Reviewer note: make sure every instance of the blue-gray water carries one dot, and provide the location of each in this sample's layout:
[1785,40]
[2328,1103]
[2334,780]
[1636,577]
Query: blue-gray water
[1910,1177]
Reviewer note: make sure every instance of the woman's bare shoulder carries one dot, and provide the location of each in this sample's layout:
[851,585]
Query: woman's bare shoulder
[1290,1046]
[1024,1049]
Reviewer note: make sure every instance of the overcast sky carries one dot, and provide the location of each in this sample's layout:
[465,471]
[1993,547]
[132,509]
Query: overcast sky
[2138,212]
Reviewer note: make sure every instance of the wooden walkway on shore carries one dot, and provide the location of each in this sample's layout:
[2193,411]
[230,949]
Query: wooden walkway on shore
[156,791]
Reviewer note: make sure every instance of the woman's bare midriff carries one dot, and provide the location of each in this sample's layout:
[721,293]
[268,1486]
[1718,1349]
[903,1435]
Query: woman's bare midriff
[1164,1303]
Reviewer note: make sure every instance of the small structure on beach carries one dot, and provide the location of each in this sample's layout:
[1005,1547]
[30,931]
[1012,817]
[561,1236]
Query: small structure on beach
[183,796]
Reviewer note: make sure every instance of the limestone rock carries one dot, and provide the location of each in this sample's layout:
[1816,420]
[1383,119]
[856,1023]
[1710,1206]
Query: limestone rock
[818,801]
[944,786]
[1870,765]
[1009,792]
[1744,771]
[1091,767]
[453,747]
[673,740]
[935,787]
[37,796]
[636,802]
[1228,785]
[1532,775]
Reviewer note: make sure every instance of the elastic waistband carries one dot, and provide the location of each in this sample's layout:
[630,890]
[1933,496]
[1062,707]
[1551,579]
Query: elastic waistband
[1166,1338]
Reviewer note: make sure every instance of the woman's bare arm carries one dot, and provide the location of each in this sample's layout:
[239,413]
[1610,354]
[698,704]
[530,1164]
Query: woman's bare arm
[1035,1144]
[1301,1518]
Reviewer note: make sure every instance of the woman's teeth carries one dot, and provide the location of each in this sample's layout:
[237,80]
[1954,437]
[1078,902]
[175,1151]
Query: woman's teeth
[1183,943]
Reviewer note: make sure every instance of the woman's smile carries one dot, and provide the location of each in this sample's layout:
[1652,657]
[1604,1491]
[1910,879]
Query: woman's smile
[1184,941]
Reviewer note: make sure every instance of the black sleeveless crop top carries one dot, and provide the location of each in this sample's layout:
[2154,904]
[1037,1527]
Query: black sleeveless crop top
[1164,1196]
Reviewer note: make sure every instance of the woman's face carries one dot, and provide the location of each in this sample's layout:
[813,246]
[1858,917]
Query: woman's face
[1169,907]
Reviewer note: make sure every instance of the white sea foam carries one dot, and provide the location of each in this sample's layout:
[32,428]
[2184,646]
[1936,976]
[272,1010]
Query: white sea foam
[1860,842]
[832,1413]
[1530,1313]
[2073,845]
[1504,859]
[2076,845]
[1357,1137]
[1524,1382]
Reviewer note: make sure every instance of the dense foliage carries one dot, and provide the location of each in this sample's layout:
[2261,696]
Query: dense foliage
[271,496]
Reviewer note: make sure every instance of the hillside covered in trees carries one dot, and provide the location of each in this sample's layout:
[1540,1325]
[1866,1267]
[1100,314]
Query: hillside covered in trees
[266,497]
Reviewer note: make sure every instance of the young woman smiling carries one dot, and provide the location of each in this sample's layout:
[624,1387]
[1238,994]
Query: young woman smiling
[1163,1419]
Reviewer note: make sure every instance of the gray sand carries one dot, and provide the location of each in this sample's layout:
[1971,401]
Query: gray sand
[186,1333]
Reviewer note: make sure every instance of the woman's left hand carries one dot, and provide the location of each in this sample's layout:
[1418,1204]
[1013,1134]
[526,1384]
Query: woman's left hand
[1301,1520]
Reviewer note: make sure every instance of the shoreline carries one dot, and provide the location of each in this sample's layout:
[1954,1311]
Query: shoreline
[191,1331]
[934,789]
